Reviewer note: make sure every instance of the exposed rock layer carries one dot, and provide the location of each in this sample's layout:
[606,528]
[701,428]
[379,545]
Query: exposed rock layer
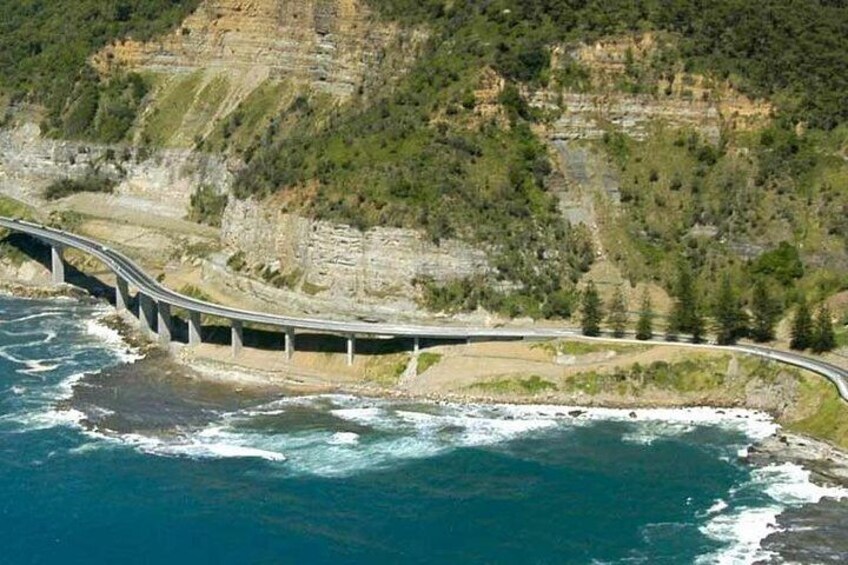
[340,259]
[329,44]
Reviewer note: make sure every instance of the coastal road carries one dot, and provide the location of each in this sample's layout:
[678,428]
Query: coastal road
[125,269]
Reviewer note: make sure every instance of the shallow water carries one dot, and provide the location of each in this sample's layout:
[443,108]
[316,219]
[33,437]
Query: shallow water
[179,472]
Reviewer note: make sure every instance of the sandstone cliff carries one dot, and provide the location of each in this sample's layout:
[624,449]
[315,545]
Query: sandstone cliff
[160,182]
[674,98]
[339,260]
[327,43]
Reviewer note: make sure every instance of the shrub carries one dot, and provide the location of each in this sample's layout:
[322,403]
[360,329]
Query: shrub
[92,182]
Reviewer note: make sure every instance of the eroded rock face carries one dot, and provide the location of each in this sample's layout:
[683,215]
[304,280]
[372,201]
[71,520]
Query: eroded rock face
[161,181]
[329,44]
[341,260]
[678,99]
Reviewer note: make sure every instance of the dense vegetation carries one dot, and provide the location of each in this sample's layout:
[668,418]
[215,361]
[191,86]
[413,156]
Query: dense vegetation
[794,51]
[44,48]
[92,182]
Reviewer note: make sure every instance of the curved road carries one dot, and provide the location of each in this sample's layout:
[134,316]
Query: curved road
[126,269]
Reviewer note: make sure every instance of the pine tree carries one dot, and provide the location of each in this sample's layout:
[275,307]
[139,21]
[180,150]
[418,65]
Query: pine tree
[686,316]
[697,326]
[618,314]
[765,312]
[645,325]
[592,314]
[802,327]
[729,317]
[823,338]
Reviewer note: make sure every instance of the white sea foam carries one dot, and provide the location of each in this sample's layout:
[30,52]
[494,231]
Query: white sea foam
[718,506]
[743,532]
[30,317]
[189,447]
[405,433]
[790,484]
[650,431]
[344,438]
[755,425]
[45,419]
[111,338]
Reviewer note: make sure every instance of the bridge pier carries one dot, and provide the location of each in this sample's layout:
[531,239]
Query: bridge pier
[351,348]
[146,308]
[237,340]
[122,295]
[194,327]
[164,327]
[289,343]
[57,264]
[416,345]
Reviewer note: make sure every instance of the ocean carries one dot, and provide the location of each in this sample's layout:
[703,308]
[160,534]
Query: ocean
[103,464]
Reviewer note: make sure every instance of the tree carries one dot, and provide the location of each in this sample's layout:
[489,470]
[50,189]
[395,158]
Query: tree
[729,318]
[591,308]
[685,316]
[697,328]
[645,325]
[765,312]
[823,337]
[802,327]
[617,317]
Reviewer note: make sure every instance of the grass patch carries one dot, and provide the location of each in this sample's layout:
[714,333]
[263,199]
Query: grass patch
[167,118]
[254,114]
[11,208]
[427,360]
[828,413]
[386,370]
[572,347]
[531,385]
[694,374]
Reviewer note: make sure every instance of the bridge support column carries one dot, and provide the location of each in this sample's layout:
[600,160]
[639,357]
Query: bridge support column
[164,322]
[146,309]
[194,325]
[237,333]
[289,343]
[416,345]
[122,295]
[57,264]
[351,348]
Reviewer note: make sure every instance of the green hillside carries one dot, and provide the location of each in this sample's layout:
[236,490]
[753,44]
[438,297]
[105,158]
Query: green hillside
[44,49]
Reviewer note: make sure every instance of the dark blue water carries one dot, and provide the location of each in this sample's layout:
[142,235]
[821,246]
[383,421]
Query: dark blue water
[363,481]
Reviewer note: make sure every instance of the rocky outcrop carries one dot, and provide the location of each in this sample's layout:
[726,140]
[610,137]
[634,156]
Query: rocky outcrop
[674,98]
[341,260]
[329,44]
[162,181]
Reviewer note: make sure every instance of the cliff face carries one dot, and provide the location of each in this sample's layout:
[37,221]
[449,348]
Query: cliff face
[328,44]
[339,260]
[674,98]
[161,183]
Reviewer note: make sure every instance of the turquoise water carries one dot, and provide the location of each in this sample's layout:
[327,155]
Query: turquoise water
[337,479]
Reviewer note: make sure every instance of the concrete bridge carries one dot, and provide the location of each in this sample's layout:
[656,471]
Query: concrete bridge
[156,302]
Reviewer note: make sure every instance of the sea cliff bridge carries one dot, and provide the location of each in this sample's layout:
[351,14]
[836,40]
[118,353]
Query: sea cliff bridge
[155,302]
